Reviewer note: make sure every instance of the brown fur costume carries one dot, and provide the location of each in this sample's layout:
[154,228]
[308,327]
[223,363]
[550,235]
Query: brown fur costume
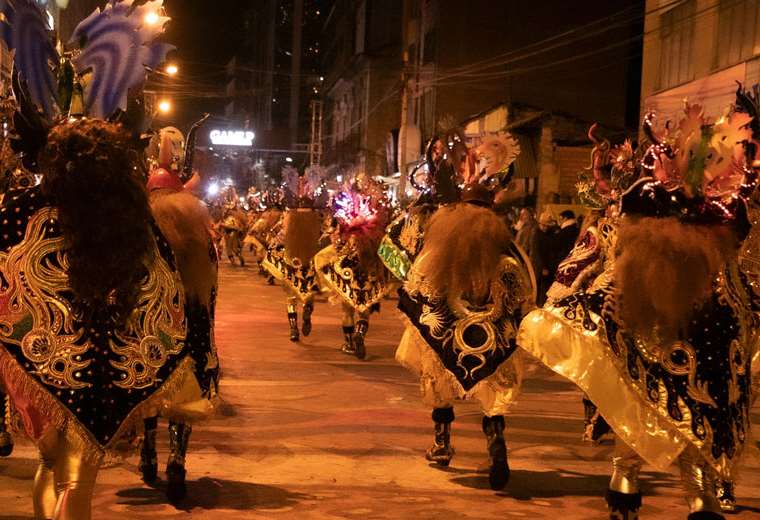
[664,269]
[95,180]
[185,222]
[303,228]
[463,247]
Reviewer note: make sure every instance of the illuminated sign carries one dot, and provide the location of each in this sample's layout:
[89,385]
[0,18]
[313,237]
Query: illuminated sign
[232,137]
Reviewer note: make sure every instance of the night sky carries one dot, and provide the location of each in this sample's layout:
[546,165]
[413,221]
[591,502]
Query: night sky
[206,34]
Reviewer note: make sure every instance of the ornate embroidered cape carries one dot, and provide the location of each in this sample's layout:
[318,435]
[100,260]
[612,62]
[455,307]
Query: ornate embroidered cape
[302,279]
[658,398]
[96,373]
[471,341]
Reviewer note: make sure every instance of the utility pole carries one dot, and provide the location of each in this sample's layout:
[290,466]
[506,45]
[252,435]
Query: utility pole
[295,69]
[315,146]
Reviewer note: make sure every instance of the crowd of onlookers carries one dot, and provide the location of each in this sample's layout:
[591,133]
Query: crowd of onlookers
[547,241]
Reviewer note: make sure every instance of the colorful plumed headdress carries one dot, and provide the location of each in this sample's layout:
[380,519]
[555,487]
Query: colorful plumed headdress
[612,171]
[304,191]
[361,206]
[455,171]
[113,48]
[699,171]
[491,170]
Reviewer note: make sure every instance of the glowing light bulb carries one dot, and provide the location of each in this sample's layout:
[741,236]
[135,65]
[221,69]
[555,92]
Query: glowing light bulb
[172,70]
[165,106]
[152,18]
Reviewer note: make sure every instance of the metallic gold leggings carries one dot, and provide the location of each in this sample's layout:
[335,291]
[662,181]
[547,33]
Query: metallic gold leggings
[65,479]
[697,477]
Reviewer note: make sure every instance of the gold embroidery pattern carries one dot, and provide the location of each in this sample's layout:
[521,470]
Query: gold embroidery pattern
[678,359]
[41,322]
[509,292]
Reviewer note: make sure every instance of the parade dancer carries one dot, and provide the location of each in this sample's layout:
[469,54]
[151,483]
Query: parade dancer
[233,226]
[464,296]
[403,239]
[661,342]
[612,171]
[265,227]
[350,267]
[184,220]
[95,336]
[290,258]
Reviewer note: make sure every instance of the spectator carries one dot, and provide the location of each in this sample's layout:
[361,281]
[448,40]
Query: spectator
[568,233]
[544,254]
[525,228]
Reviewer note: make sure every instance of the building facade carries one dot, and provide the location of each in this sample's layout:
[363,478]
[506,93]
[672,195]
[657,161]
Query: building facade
[698,50]
[362,66]
[543,71]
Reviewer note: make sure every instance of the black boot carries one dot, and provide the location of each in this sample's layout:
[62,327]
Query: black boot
[293,322]
[6,439]
[724,491]
[179,438]
[595,427]
[270,280]
[441,451]
[361,330]
[348,347]
[148,456]
[623,506]
[498,475]
[308,308]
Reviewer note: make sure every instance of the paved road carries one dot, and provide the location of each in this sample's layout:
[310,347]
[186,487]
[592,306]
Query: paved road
[308,432]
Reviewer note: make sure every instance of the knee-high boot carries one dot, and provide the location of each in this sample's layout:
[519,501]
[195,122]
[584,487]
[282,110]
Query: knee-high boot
[362,326]
[148,456]
[498,475]
[441,451]
[348,334]
[6,439]
[179,438]
[308,308]
[293,322]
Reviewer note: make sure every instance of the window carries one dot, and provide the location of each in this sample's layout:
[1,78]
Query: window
[738,32]
[677,38]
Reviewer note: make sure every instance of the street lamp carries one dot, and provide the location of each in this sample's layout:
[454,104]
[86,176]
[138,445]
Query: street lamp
[165,106]
[172,69]
[152,18]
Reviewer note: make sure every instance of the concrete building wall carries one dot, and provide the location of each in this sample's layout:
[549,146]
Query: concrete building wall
[716,42]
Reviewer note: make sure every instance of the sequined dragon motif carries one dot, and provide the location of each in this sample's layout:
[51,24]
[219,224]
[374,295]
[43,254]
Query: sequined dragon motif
[471,341]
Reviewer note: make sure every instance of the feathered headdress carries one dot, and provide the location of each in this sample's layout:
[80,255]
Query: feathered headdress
[698,171]
[490,170]
[115,45]
[612,171]
[361,206]
[304,191]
